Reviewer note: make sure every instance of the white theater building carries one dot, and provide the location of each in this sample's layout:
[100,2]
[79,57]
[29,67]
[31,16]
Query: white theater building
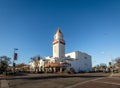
[80,61]
[60,61]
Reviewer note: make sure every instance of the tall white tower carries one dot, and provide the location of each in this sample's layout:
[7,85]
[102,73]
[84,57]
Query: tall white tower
[58,45]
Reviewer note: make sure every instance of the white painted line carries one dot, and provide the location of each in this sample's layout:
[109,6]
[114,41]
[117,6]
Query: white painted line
[72,86]
[4,84]
[109,83]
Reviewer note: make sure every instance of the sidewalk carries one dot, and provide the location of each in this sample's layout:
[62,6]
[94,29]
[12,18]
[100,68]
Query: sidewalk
[4,77]
[115,75]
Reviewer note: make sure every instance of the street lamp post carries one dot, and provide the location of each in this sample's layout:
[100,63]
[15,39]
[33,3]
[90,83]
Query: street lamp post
[14,58]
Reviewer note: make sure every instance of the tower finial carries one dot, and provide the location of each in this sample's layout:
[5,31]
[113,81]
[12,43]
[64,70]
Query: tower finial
[58,31]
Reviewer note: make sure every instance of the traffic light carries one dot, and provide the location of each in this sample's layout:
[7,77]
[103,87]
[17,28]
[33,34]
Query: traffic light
[14,64]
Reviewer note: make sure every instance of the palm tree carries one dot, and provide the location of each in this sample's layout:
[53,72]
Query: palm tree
[36,60]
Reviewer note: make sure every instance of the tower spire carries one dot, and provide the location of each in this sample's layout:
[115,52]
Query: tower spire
[58,44]
[58,31]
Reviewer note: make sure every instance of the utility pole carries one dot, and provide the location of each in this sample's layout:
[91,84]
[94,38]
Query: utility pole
[14,58]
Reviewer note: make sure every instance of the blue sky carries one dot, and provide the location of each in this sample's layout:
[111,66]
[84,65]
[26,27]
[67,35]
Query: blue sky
[91,26]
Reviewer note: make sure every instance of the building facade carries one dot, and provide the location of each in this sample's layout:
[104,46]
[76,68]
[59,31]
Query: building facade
[81,62]
[60,61]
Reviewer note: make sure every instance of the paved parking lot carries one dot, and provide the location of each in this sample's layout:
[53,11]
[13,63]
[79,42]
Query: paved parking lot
[87,80]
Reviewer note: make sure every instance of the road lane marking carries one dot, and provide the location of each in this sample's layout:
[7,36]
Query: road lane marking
[109,83]
[72,86]
[4,84]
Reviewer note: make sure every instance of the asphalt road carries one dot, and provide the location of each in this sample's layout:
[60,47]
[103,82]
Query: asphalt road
[87,80]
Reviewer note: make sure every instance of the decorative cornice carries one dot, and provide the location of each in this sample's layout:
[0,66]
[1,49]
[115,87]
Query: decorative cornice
[55,42]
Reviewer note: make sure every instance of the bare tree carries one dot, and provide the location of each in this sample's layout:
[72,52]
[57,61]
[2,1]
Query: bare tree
[117,63]
[100,67]
[4,63]
[103,67]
